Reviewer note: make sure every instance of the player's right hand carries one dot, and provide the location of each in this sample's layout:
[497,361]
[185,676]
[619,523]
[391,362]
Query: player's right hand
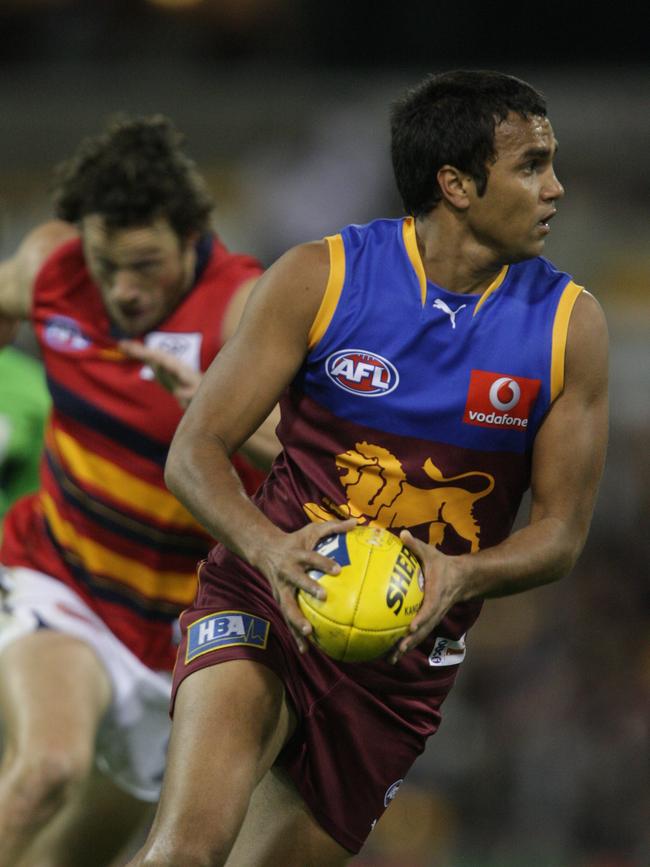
[173,374]
[286,565]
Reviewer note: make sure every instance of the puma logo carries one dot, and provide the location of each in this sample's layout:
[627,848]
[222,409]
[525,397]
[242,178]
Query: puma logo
[442,305]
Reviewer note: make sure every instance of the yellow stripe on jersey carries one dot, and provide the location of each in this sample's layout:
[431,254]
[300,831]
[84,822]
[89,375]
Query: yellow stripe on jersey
[560,332]
[176,587]
[332,290]
[494,285]
[411,244]
[118,485]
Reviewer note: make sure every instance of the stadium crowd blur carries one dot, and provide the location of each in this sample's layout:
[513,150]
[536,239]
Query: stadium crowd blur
[542,757]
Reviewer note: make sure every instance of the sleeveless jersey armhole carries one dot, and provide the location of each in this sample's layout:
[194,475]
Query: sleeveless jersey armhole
[560,331]
[332,291]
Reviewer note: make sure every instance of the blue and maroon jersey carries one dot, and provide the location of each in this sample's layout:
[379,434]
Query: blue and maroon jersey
[103,521]
[417,407]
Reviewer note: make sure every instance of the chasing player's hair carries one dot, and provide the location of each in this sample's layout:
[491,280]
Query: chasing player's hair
[450,119]
[131,174]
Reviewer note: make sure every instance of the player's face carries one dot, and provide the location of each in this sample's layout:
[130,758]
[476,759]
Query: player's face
[512,216]
[142,271]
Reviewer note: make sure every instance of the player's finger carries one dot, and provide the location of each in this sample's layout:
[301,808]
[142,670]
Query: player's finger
[320,530]
[408,643]
[301,580]
[418,547]
[134,349]
[157,358]
[298,623]
[320,563]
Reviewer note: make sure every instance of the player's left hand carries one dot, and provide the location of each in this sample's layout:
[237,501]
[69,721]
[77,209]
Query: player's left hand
[173,374]
[441,590]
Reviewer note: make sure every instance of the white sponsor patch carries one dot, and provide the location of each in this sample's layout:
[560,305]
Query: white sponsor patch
[446,651]
[186,346]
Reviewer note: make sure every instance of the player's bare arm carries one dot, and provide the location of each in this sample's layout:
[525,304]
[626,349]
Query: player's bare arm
[568,459]
[261,357]
[17,273]
[262,447]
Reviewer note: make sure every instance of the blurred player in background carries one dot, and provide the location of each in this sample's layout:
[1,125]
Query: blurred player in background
[101,560]
[24,405]
[431,368]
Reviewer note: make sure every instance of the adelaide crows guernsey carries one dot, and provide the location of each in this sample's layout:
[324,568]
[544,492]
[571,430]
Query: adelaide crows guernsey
[416,407]
[103,521]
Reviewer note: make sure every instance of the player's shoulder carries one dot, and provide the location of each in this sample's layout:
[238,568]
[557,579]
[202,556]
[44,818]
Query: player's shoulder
[41,242]
[541,268]
[219,257]
[304,266]
[294,284]
[18,273]
[379,229]
[587,346]
[588,320]
[47,236]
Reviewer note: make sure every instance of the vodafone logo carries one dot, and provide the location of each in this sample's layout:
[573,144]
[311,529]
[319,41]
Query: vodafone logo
[363,373]
[504,393]
[496,400]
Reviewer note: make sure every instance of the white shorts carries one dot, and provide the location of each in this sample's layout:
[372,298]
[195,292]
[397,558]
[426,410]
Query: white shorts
[133,735]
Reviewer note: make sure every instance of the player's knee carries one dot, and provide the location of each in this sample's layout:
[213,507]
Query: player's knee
[37,787]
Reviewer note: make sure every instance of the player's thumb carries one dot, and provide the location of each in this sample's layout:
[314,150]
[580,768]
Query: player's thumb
[413,544]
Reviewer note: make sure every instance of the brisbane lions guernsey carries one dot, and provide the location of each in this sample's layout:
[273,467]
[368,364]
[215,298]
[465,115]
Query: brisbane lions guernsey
[103,521]
[416,407]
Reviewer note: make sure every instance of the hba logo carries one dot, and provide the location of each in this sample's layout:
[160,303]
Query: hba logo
[363,373]
[497,400]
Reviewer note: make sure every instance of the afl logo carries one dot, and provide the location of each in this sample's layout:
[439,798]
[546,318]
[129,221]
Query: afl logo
[63,332]
[504,393]
[364,373]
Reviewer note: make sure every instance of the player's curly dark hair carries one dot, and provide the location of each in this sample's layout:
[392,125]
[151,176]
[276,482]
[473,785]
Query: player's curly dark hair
[450,119]
[131,174]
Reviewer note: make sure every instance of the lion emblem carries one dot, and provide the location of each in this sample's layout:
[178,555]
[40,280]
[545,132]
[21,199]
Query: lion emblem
[376,488]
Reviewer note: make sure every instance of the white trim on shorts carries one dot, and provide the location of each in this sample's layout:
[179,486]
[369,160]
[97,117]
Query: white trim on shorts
[133,735]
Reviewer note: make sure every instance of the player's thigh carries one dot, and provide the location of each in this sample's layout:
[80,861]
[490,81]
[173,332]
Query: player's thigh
[93,830]
[230,722]
[53,693]
[279,829]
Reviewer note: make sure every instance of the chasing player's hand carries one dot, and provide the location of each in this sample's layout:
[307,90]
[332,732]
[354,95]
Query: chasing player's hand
[441,590]
[178,378]
[286,565]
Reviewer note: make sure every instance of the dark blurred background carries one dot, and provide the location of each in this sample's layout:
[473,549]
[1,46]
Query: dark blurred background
[542,758]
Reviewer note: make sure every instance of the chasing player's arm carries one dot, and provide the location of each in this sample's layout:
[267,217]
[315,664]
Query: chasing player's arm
[18,272]
[237,392]
[568,460]
[182,380]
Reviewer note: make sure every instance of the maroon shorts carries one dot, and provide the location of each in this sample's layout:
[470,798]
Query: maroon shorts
[360,725]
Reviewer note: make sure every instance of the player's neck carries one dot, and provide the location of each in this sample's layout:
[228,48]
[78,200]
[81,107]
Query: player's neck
[451,259]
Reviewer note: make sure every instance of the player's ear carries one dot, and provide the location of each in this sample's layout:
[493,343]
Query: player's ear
[454,186]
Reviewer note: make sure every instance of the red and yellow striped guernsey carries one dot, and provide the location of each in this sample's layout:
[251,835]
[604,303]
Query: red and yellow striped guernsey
[103,521]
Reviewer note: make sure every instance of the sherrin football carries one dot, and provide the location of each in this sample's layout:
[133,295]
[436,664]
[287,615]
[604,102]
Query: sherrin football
[371,602]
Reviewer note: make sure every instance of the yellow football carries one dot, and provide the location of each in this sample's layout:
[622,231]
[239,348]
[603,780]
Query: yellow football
[371,602]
